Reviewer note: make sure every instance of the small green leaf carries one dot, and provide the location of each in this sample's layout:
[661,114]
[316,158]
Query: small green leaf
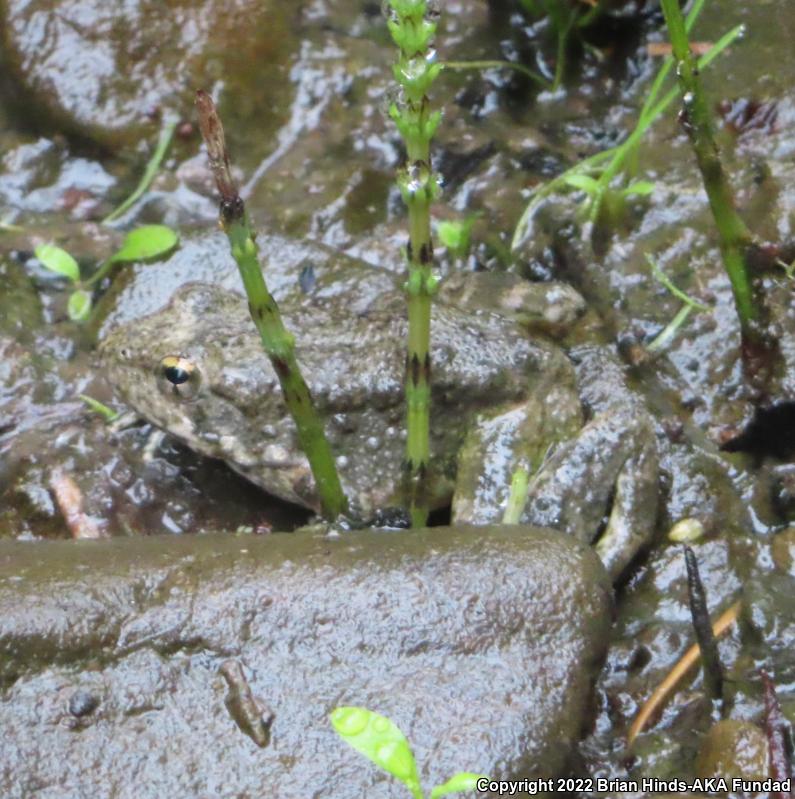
[143,243]
[380,740]
[640,187]
[463,781]
[583,182]
[57,260]
[79,305]
[451,234]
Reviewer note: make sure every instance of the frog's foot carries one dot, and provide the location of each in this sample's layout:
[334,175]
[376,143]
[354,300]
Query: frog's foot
[505,438]
[602,486]
[598,484]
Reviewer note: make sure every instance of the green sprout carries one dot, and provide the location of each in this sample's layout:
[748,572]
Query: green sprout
[666,335]
[456,235]
[142,244]
[610,204]
[277,342]
[492,64]
[789,269]
[735,238]
[149,173]
[517,498]
[607,166]
[108,414]
[566,18]
[412,24]
[380,740]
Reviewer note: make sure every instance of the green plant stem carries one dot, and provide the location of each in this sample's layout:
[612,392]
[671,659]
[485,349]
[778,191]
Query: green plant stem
[521,68]
[735,238]
[618,155]
[418,368]
[276,340]
[675,290]
[415,71]
[102,271]
[149,173]
[520,485]
[666,335]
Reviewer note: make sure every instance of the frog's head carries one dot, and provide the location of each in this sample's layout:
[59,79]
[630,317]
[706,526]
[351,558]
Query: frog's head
[195,369]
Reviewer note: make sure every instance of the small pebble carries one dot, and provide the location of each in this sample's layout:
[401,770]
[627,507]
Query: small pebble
[82,704]
[686,530]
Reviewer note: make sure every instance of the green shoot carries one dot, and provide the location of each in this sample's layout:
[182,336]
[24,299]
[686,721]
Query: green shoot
[380,740]
[149,173]
[608,164]
[521,68]
[99,407]
[735,237]
[456,235]
[413,26]
[277,342]
[565,19]
[517,499]
[78,306]
[666,335]
[789,269]
[142,244]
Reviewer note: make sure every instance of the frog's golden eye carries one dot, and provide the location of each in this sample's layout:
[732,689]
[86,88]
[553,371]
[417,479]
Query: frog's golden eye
[178,377]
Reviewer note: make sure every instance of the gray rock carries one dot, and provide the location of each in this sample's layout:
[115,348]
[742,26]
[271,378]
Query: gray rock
[101,69]
[482,644]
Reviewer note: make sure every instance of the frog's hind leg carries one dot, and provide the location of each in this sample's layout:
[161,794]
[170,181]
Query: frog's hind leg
[633,515]
[502,439]
[607,472]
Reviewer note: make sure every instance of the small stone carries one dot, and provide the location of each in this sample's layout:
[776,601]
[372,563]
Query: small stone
[686,530]
[83,703]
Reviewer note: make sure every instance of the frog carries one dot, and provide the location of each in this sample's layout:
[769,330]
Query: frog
[195,368]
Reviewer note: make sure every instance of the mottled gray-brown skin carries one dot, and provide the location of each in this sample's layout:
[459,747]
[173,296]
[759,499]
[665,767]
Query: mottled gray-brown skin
[488,375]
[481,643]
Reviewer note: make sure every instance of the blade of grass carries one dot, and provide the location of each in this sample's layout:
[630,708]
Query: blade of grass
[521,68]
[619,154]
[149,173]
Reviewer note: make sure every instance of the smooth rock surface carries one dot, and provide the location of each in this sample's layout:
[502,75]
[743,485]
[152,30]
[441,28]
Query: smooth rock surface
[103,70]
[482,644]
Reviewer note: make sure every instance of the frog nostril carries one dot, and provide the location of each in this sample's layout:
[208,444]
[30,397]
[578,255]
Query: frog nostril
[178,377]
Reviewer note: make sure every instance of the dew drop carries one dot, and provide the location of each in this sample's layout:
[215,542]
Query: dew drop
[380,724]
[350,720]
[432,10]
[414,68]
[373,443]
